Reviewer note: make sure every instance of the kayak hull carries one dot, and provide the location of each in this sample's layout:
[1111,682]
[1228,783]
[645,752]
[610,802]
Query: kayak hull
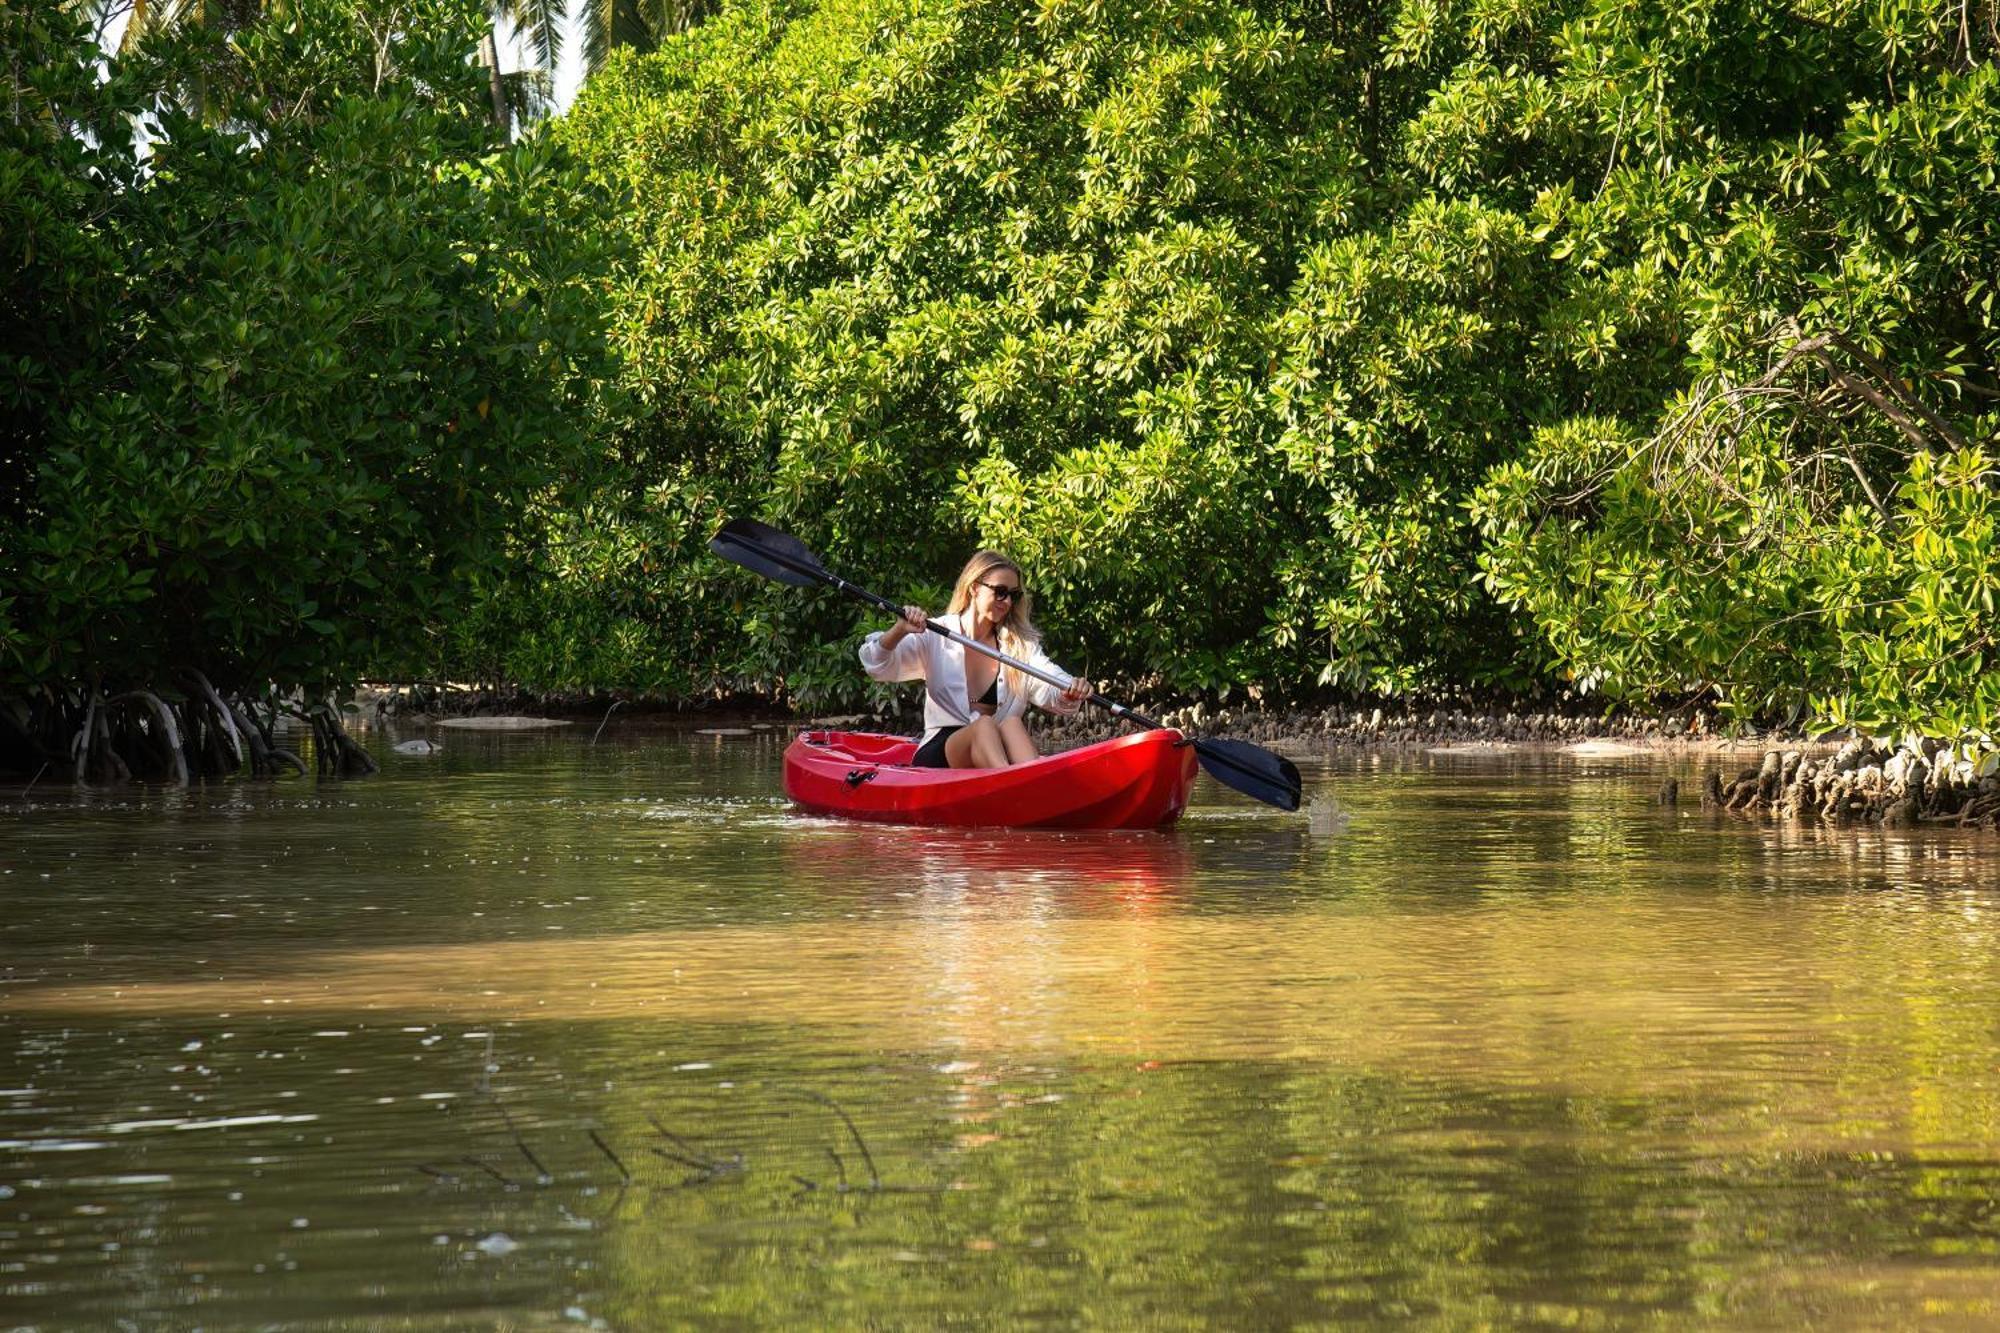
[1136,781]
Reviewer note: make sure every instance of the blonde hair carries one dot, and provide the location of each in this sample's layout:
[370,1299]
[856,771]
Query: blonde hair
[1017,634]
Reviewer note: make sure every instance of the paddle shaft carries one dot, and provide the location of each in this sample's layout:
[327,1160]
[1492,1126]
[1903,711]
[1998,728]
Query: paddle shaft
[860,594]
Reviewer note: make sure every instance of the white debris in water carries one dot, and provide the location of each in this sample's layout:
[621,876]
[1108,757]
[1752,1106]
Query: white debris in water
[231,1122]
[498,1244]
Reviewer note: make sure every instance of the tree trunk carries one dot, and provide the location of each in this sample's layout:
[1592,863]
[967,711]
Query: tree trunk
[489,56]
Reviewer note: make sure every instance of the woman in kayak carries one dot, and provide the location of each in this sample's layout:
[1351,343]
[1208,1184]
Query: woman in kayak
[972,704]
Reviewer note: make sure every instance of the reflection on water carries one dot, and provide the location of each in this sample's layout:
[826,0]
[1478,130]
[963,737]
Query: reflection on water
[536,1032]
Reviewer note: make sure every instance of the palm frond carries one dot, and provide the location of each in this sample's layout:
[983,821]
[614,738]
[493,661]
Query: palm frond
[152,16]
[597,18]
[639,24]
[643,23]
[530,95]
[542,20]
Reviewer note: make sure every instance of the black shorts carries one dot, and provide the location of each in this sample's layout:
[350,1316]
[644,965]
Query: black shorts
[931,753]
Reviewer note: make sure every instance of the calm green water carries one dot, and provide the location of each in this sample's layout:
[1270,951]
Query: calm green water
[1515,1046]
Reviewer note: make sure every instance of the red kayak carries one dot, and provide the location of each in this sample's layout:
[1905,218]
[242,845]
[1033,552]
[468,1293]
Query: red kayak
[1136,781]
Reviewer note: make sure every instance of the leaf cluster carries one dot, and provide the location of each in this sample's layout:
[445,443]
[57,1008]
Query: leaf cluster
[329,347]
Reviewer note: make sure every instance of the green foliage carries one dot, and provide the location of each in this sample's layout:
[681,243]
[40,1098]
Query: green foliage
[1396,345]
[1296,346]
[65,153]
[334,349]
[1804,526]
[915,277]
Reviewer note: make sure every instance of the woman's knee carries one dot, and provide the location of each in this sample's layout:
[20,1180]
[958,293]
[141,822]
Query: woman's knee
[976,745]
[1019,744]
[990,741]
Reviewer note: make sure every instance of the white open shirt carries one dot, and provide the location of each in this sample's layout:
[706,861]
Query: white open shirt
[940,664]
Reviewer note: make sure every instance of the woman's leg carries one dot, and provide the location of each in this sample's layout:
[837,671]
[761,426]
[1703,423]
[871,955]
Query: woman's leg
[931,753]
[1020,745]
[977,746]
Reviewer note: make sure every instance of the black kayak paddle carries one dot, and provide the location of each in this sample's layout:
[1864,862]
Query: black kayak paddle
[762,549]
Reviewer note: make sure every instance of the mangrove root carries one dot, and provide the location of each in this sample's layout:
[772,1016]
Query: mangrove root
[336,752]
[1868,782]
[265,758]
[166,734]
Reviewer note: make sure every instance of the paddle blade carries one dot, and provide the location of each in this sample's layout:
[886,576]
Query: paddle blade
[1252,770]
[763,549]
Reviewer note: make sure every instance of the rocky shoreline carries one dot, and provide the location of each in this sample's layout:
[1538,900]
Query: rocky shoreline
[1868,782]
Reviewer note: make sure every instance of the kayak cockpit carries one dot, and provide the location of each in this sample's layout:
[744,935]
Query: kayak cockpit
[860,747]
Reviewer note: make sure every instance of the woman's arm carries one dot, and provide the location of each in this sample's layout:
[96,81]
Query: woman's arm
[1048,696]
[898,652]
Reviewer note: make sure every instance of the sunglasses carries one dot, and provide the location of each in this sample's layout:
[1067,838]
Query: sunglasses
[1002,592]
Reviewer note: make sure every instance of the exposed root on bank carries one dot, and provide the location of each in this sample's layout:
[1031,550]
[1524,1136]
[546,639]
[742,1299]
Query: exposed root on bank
[265,756]
[152,734]
[1868,782]
[336,752]
[86,740]
[206,709]
[165,735]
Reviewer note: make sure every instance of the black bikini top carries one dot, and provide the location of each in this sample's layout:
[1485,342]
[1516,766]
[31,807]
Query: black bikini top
[990,699]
